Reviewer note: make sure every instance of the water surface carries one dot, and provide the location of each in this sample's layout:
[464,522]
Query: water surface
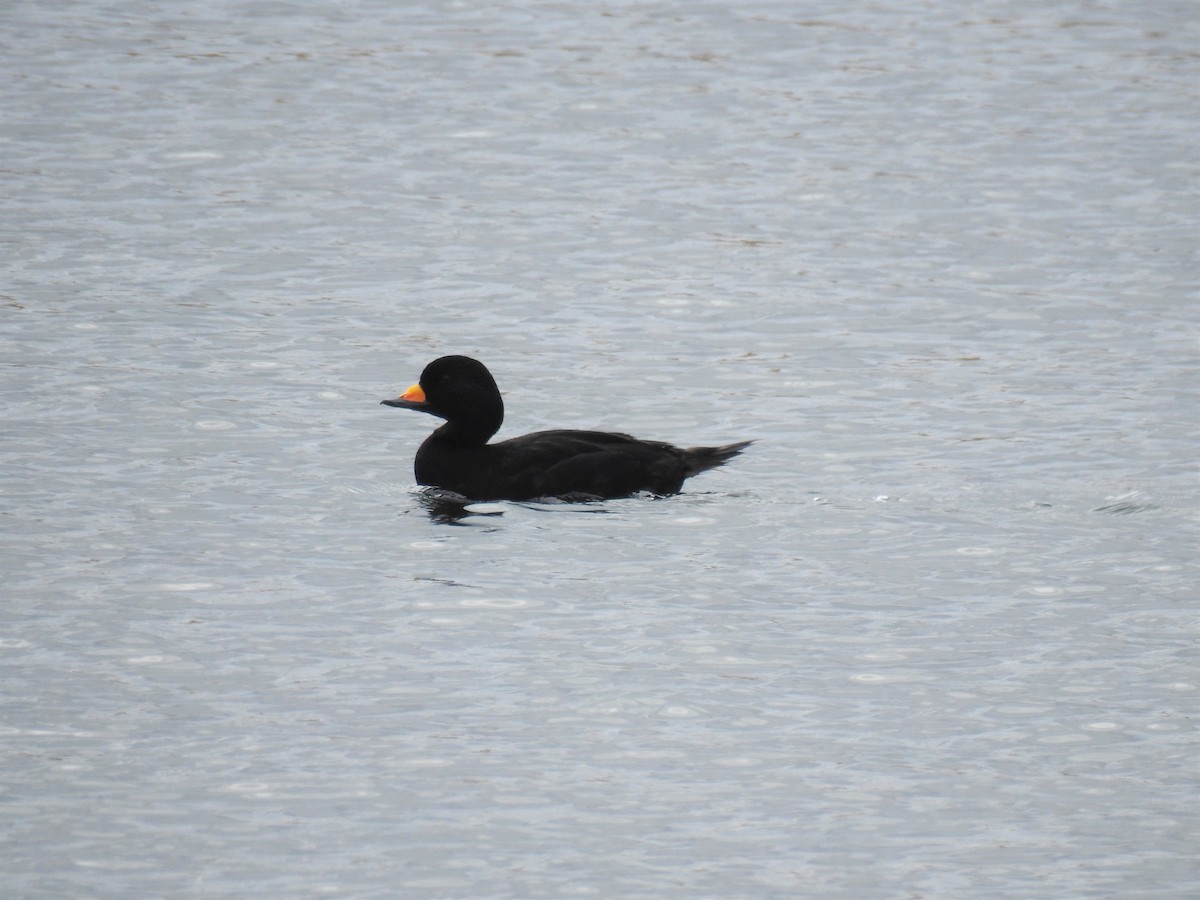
[933,635]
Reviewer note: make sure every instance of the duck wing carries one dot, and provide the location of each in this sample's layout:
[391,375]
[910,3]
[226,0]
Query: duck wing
[568,463]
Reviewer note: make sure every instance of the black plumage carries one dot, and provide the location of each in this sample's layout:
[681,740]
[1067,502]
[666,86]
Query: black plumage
[578,465]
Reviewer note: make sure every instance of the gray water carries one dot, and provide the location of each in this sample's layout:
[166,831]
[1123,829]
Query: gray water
[933,636]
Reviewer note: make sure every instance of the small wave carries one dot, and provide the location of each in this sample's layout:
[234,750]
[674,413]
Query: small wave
[1126,505]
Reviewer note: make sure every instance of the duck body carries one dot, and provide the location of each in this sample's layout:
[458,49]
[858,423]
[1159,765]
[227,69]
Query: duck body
[583,465]
[574,465]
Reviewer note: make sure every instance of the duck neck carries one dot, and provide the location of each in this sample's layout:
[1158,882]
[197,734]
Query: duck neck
[474,432]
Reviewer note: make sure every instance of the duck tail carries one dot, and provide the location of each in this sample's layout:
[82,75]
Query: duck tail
[701,459]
